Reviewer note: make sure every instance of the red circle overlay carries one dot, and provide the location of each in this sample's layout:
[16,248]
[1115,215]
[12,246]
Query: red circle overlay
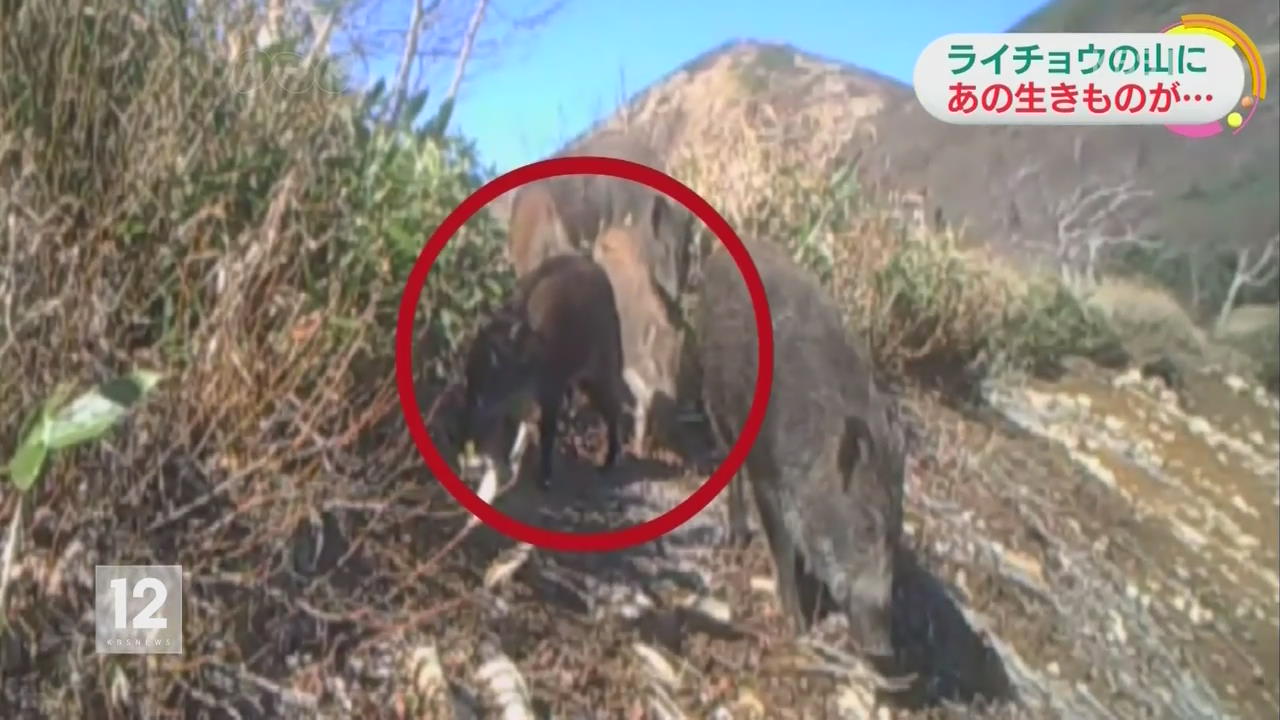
[486,513]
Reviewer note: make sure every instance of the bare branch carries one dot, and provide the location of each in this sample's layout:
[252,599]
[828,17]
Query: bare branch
[472,28]
[1262,271]
[1090,221]
[322,30]
[416,22]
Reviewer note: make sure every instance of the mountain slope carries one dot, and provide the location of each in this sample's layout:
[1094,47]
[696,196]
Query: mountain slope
[1221,190]
[1009,186]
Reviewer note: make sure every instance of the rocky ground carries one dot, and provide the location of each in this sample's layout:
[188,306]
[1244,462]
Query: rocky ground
[1093,547]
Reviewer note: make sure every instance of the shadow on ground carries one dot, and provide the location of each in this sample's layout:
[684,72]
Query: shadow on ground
[933,640]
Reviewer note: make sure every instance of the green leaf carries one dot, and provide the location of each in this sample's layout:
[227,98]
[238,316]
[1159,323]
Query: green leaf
[28,461]
[412,106]
[436,126]
[90,415]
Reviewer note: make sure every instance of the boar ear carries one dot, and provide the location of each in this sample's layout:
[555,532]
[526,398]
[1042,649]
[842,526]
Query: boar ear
[658,215]
[663,248]
[854,448]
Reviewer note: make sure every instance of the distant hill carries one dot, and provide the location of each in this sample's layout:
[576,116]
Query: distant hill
[1217,191]
[1006,184]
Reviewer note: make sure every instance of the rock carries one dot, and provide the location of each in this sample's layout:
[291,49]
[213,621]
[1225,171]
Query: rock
[1236,383]
[1199,426]
[1247,542]
[1129,378]
[1118,630]
[1042,402]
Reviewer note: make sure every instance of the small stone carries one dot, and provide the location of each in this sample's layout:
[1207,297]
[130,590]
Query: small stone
[1199,614]
[1131,377]
[1199,426]
[1236,383]
[1242,505]
[1117,628]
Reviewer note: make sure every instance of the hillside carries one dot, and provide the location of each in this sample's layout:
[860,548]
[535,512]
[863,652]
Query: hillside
[1008,187]
[1214,192]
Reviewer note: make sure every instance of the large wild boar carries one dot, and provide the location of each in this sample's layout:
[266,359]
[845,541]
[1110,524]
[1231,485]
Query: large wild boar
[589,204]
[560,329]
[535,231]
[650,341]
[827,468]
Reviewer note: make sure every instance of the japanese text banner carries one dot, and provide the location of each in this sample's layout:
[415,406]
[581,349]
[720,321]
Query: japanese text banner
[1078,78]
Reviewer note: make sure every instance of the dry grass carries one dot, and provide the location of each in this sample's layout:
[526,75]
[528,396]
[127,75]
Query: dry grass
[1148,316]
[1254,330]
[252,246]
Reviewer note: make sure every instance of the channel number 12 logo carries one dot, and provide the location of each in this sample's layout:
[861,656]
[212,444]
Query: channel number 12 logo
[138,609]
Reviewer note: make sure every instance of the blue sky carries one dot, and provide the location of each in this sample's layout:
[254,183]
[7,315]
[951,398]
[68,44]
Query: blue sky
[553,82]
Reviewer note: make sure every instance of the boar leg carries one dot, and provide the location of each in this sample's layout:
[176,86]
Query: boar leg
[643,398]
[783,550]
[549,401]
[739,533]
[519,446]
[609,406]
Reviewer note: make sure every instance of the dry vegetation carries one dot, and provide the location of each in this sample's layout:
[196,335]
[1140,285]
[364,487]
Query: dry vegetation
[252,246]
[932,307]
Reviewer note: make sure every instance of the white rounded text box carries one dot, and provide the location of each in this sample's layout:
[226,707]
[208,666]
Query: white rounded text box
[1079,78]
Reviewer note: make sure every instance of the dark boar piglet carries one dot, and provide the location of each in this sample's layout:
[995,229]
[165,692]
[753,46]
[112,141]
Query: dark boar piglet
[559,330]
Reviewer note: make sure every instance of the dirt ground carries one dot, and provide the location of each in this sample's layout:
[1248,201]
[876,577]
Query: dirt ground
[1088,548]
[1049,570]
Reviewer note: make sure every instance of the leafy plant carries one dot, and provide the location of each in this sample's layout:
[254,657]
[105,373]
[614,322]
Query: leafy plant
[87,417]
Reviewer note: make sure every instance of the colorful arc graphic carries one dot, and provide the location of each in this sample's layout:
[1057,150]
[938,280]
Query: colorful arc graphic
[1233,36]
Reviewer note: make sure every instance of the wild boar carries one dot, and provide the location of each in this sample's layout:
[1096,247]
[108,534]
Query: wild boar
[534,230]
[589,204]
[559,330]
[650,340]
[827,468]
